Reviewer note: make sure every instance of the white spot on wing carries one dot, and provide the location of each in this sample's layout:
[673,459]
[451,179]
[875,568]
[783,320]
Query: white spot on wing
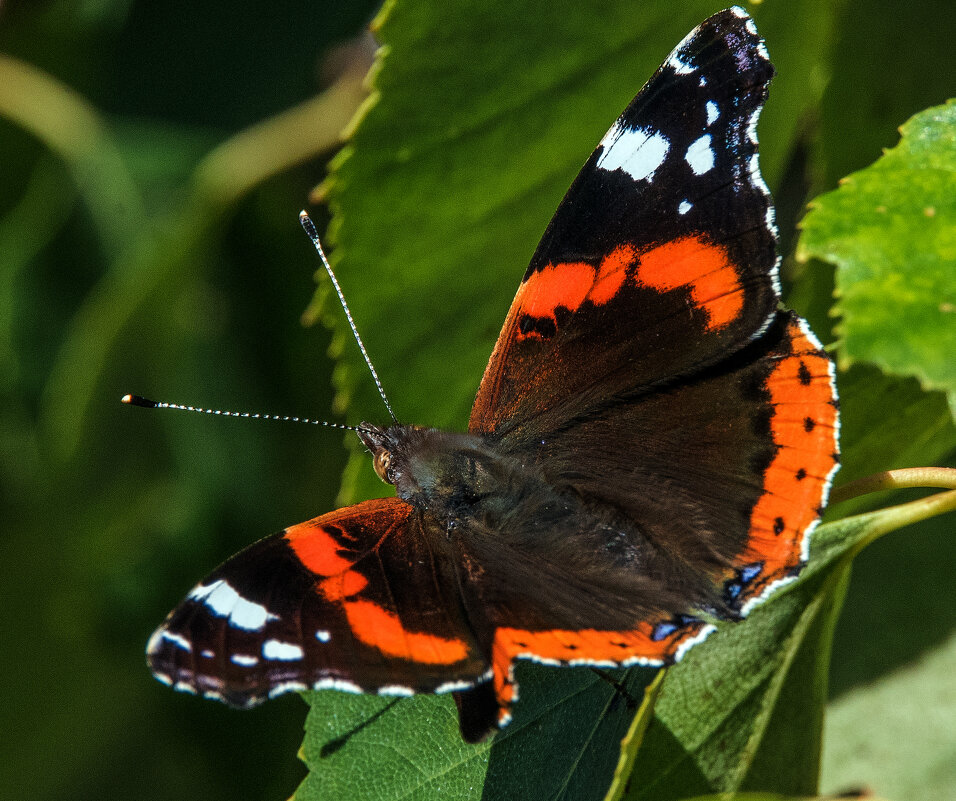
[452,686]
[177,639]
[322,635]
[700,155]
[757,181]
[243,660]
[285,651]
[685,646]
[395,690]
[771,221]
[287,687]
[676,58]
[608,663]
[223,601]
[155,641]
[752,126]
[769,590]
[637,151]
[330,683]
[676,63]
[684,207]
[713,112]
[756,178]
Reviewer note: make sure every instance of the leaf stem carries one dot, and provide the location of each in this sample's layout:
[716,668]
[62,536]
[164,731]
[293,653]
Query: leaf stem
[907,478]
[633,739]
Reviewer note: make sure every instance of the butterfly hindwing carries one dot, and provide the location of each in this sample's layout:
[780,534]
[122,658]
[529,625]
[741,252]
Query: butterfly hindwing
[353,600]
[796,382]
[719,473]
[720,481]
[661,258]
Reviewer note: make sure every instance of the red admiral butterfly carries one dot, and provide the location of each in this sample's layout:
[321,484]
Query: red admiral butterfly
[652,442]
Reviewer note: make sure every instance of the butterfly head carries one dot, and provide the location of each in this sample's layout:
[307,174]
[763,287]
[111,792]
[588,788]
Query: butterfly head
[379,441]
[397,456]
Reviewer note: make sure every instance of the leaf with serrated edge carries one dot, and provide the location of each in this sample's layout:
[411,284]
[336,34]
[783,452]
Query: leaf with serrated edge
[891,231]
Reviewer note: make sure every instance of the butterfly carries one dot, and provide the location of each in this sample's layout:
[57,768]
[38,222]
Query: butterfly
[651,445]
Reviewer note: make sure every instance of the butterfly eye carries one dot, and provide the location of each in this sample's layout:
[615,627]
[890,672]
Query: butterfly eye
[381,463]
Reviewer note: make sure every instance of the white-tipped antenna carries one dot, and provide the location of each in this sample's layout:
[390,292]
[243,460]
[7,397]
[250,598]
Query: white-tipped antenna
[309,228]
[146,403]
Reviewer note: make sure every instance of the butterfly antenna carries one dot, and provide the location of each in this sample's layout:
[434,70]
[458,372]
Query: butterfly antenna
[146,403]
[309,228]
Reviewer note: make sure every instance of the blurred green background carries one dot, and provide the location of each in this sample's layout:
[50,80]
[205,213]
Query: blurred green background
[151,173]
[123,273]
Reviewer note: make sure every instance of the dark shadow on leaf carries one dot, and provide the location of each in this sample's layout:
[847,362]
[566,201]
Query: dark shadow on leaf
[566,734]
[622,692]
[334,745]
[665,762]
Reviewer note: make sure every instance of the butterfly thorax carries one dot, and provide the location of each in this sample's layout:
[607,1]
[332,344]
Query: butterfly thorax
[443,472]
[470,486]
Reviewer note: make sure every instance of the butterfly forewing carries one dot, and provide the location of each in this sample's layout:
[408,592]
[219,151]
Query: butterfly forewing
[355,599]
[661,258]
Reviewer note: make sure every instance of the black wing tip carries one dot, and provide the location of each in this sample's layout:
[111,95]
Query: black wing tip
[737,30]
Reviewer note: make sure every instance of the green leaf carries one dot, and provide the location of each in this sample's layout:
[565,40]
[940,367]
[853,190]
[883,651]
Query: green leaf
[631,744]
[563,742]
[888,423]
[363,749]
[863,795]
[891,231]
[744,711]
[910,753]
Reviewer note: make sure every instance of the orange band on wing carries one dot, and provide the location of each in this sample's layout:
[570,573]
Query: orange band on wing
[584,646]
[804,427]
[317,548]
[320,544]
[611,274]
[556,285]
[706,269]
[342,586]
[381,629]
[688,262]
